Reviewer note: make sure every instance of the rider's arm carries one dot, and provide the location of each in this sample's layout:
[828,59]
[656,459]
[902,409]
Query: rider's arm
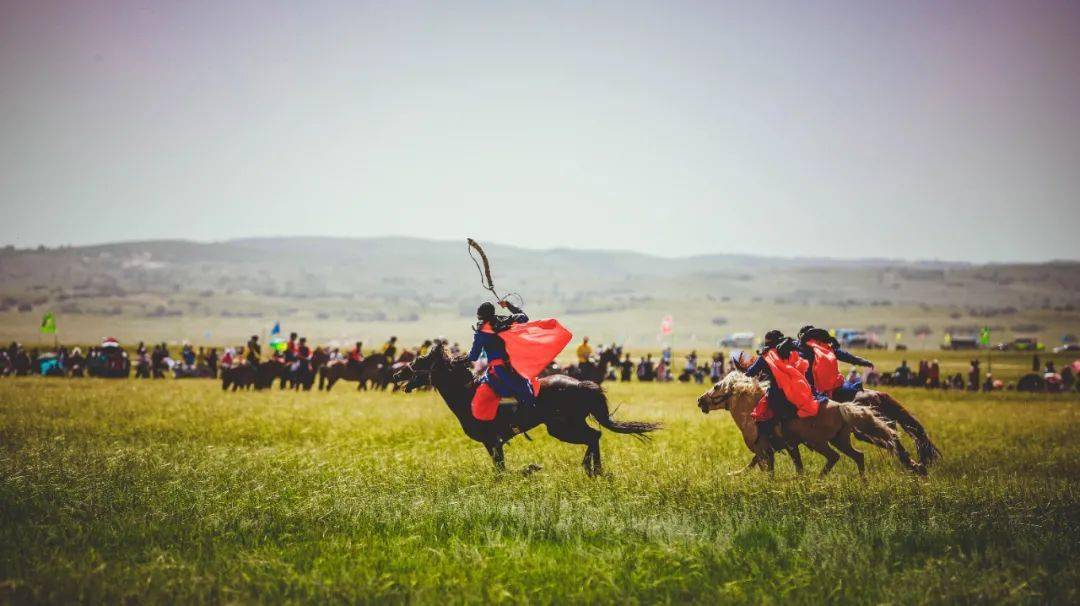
[518,315]
[845,356]
[477,347]
[759,366]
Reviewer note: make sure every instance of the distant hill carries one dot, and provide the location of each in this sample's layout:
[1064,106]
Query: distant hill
[441,270]
[345,288]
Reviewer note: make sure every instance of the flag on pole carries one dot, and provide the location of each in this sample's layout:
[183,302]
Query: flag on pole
[48,324]
[276,342]
[984,336]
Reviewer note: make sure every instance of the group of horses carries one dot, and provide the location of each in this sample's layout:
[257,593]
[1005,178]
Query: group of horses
[565,402]
[373,372]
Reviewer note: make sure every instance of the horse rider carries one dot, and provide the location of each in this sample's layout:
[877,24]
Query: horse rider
[254,350]
[356,354]
[824,353]
[301,355]
[790,393]
[290,349]
[389,349]
[500,379]
[584,352]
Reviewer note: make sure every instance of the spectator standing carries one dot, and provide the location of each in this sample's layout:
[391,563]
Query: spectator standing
[626,369]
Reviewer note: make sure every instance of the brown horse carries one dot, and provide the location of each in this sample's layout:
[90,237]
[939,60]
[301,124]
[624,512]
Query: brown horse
[833,425]
[369,370]
[244,375]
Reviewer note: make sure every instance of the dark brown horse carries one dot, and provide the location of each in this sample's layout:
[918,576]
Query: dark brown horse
[562,407]
[367,371]
[245,376]
[594,371]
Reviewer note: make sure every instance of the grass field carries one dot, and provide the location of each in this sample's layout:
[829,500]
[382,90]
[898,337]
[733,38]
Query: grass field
[162,492]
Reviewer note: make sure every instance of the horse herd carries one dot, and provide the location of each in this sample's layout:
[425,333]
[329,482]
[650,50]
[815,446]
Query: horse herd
[373,372]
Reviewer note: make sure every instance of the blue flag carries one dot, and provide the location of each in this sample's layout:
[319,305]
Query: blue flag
[276,342]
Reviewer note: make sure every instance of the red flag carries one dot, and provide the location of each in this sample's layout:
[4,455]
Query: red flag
[667,325]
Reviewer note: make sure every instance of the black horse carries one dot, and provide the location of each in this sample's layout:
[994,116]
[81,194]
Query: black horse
[562,406]
[595,371]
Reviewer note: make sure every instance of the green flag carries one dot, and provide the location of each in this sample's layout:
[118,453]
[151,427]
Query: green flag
[984,336]
[48,324]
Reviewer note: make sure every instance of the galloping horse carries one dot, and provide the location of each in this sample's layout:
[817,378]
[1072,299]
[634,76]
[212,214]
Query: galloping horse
[833,425]
[562,406]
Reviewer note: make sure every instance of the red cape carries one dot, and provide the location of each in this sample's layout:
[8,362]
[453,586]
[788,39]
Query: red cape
[533,345]
[826,369]
[789,375]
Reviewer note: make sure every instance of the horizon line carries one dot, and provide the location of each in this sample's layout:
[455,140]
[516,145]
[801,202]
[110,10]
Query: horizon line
[238,239]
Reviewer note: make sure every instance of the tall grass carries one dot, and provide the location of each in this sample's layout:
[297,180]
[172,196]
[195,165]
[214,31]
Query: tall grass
[176,492]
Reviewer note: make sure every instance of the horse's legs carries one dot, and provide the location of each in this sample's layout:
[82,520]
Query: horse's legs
[842,442]
[796,458]
[824,450]
[582,434]
[496,452]
[764,452]
[594,448]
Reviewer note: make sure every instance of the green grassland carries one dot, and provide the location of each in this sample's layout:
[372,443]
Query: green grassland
[172,491]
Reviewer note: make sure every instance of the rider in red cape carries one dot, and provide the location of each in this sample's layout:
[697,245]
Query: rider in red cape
[789,392]
[824,353]
[531,346]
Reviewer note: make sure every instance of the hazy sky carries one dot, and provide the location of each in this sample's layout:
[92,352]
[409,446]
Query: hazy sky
[895,129]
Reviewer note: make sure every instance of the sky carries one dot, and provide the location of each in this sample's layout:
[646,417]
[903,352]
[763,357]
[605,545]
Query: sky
[916,130]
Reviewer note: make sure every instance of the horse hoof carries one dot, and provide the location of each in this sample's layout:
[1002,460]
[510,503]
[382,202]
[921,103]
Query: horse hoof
[530,469]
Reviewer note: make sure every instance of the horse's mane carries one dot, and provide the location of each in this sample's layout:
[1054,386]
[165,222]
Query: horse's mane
[453,363]
[741,385]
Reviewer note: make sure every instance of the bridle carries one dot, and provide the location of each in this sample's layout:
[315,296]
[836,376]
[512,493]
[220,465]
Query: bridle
[420,373]
[725,400]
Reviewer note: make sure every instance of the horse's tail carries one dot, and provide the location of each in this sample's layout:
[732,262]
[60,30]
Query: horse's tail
[869,424]
[598,408]
[888,407]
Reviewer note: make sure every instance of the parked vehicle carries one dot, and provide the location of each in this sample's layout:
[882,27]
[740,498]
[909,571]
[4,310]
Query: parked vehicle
[957,342]
[1027,344]
[742,340]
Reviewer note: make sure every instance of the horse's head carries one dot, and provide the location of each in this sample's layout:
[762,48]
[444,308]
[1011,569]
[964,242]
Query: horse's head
[418,372]
[724,393]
